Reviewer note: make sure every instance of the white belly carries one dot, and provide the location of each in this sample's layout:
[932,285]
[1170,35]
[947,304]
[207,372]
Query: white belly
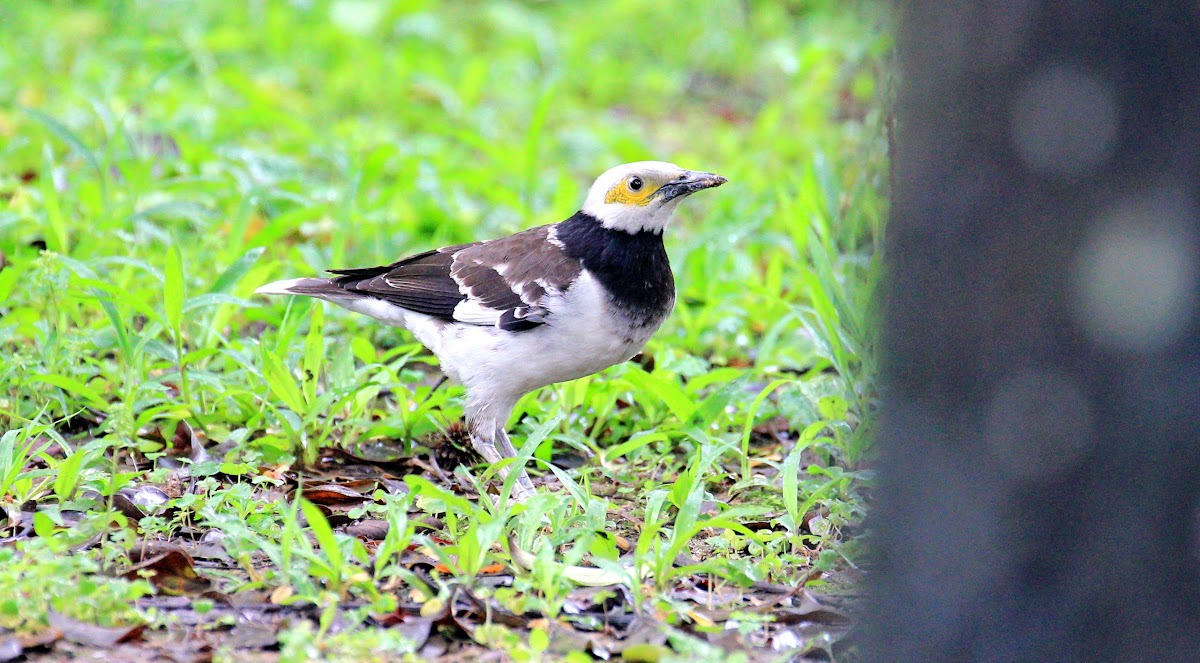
[581,338]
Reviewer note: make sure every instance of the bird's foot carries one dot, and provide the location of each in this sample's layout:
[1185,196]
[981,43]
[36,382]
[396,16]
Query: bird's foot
[522,488]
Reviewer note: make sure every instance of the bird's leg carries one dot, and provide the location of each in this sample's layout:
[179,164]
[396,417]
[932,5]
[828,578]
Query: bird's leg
[486,445]
[504,444]
[488,437]
[523,488]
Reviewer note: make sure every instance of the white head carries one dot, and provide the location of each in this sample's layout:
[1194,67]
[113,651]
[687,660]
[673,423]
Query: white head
[641,196]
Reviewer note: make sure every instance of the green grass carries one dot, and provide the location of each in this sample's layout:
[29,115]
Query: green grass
[159,160]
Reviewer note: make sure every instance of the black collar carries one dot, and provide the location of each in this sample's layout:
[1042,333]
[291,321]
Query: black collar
[632,267]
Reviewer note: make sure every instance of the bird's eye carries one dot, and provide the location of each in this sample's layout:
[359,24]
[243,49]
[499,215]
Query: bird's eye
[635,184]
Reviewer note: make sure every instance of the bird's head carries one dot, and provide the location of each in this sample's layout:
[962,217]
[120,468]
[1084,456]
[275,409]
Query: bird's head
[641,196]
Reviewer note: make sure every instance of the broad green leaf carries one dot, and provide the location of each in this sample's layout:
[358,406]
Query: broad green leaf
[832,408]
[314,353]
[67,474]
[654,505]
[9,463]
[9,278]
[791,482]
[671,394]
[43,525]
[73,387]
[422,487]
[474,547]
[282,384]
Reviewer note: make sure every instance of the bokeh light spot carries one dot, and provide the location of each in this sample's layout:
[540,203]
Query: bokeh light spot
[1038,424]
[1064,122]
[1135,276]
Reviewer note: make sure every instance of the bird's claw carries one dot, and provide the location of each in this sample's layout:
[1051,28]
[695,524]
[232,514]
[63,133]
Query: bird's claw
[522,488]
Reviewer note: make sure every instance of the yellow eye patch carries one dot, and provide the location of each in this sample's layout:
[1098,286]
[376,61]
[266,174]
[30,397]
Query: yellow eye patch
[625,193]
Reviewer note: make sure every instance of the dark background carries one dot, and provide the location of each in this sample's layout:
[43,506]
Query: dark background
[1038,494]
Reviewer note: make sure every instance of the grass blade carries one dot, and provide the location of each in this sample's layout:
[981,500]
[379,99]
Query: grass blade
[73,387]
[237,270]
[671,394]
[173,288]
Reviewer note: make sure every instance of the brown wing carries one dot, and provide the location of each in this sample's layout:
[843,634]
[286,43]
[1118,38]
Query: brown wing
[501,282]
[419,283]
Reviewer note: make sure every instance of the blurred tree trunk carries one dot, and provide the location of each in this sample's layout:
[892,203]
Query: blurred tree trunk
[1040,452]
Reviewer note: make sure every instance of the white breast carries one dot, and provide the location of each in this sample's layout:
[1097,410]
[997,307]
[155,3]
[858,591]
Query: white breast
[581,337]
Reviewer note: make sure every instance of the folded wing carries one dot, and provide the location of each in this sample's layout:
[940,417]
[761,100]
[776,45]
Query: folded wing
[506,282]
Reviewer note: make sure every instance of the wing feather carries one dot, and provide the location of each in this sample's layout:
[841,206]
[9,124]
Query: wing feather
[503,283]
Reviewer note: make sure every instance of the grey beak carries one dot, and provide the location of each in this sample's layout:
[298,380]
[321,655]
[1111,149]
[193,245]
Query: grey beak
[690,181]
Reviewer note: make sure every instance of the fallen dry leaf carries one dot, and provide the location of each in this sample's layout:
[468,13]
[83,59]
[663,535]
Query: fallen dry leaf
[415,629]
[249,635]
[370,529]
[91,635]
[329,494]
[168,568]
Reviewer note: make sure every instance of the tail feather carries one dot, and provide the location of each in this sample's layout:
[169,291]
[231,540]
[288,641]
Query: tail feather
[355,301]
[311,287]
